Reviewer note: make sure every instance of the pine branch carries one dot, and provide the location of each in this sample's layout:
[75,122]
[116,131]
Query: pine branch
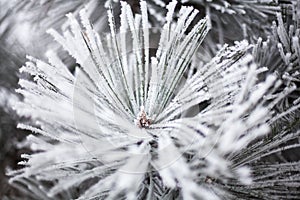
[130,124]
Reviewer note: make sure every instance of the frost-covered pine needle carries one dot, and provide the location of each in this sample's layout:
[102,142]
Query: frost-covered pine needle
[280,54]
[232,19]
[136,120]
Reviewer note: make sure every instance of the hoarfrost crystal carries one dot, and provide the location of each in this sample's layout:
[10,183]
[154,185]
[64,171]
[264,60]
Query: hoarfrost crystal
[132,124]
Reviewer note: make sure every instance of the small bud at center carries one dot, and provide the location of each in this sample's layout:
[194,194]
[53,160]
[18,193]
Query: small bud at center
[142,120]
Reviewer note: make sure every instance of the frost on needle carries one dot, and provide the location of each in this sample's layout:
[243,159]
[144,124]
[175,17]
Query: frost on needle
[136,120]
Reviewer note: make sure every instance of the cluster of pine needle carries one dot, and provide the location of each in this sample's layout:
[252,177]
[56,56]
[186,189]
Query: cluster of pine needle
[156,99]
